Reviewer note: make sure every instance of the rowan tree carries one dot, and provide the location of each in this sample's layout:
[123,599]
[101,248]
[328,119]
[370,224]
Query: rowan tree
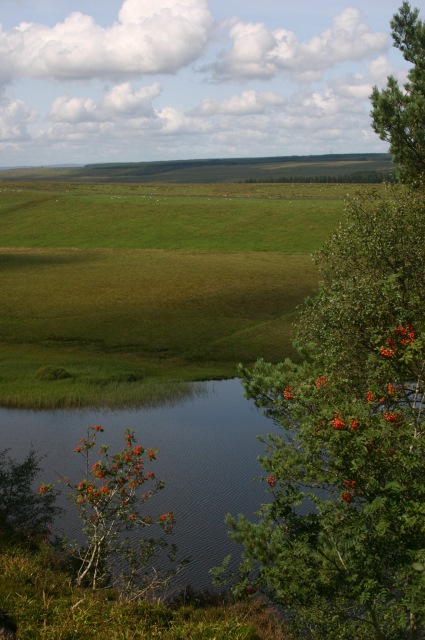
[340,542]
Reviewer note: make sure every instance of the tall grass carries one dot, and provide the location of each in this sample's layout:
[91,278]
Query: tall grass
[37,593]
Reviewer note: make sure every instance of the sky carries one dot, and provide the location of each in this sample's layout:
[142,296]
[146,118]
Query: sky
[85,81]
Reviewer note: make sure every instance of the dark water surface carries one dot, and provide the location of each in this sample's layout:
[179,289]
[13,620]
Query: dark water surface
[207,458]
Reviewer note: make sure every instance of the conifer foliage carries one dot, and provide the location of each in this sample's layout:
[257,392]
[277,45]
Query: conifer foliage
[398,112]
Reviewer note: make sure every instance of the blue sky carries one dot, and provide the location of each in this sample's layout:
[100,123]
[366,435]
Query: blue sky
[132,80]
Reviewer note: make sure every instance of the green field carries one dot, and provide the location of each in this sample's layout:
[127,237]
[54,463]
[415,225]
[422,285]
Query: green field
[125,286]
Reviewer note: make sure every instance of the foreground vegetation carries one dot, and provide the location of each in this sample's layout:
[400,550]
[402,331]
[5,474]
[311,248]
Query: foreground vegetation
[117,288]
[38,594]
[56,589]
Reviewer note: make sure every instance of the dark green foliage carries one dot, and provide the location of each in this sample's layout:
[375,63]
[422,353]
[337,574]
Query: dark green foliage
[340,546]
[23,510]
[398,113]
[371,279]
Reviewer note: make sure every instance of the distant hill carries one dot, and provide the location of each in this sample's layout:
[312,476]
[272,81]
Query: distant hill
[47,166]
[352,167]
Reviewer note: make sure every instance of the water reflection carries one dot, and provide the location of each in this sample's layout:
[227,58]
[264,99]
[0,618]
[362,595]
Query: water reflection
[208,450]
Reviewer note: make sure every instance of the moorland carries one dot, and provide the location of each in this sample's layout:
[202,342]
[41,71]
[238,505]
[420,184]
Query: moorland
[120,293]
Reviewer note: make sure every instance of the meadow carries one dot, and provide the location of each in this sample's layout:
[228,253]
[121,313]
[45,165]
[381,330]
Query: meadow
[122,294]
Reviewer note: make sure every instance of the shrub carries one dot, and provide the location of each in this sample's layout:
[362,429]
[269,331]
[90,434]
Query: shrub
[22,511]
[109,501]
[48,373]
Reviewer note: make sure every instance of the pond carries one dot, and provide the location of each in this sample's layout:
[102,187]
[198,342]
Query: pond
[207,457]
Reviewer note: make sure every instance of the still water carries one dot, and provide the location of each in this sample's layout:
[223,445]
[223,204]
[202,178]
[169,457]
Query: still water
[207,458]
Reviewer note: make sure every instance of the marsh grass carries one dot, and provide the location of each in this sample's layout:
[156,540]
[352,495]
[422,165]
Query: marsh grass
[105,316]
[129,287]
[94,381]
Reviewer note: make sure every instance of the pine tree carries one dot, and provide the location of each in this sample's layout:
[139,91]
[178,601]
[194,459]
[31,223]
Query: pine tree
[398,113]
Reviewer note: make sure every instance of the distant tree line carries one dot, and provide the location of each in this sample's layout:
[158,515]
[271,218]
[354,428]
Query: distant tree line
[327,157]
[363,177]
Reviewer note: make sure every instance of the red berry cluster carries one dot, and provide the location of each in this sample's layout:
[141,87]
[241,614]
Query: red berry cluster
[337,422]
[402,336]
[348,495]
[321,382]
[287,393]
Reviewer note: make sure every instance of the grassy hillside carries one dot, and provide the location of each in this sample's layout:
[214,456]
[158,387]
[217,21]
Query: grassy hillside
[126,285]
[211,171]
[290,220]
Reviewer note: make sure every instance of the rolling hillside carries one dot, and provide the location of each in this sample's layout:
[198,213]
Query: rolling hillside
[212,170]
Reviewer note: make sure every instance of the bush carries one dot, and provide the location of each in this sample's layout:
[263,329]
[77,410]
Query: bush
[22,511]
[110,499]
[48,373]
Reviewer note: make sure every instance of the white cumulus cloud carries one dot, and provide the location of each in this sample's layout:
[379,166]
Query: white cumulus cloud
[15,116]
[121,101]
[173,121]
[354,86]
[149,37]
[259,52]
